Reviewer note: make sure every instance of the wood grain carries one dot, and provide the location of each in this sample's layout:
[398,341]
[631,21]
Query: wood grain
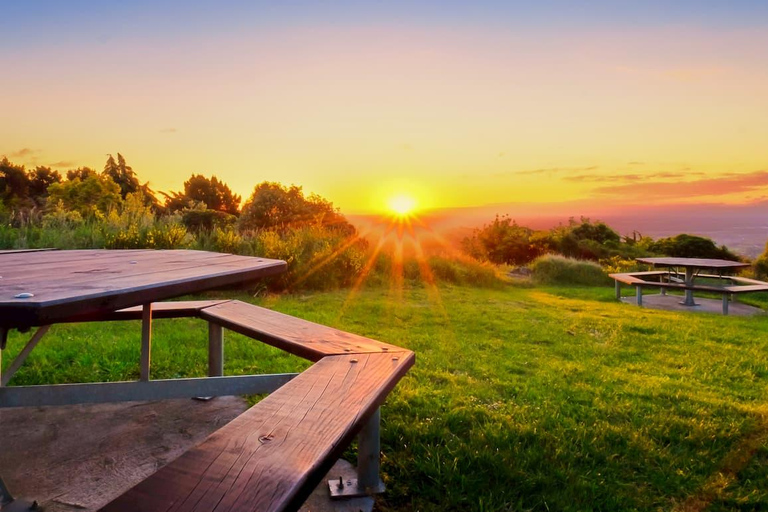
[78,283]
[693,262]
[299,337]
[272,456]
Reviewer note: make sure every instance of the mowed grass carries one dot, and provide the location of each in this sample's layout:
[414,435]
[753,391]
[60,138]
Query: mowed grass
[522,398]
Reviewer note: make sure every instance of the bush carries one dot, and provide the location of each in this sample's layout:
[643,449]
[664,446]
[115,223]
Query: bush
[692,246]
[553,269]
[318,257]
[197,220]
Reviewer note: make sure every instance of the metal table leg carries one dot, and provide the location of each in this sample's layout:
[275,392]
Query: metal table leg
[9,504]
[688,292]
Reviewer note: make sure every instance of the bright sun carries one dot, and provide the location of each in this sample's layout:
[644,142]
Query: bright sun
[401,205]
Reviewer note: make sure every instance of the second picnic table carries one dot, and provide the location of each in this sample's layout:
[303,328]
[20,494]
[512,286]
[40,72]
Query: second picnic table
[692,267]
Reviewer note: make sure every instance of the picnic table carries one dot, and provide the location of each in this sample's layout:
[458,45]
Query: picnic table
[686,280]
[239,467]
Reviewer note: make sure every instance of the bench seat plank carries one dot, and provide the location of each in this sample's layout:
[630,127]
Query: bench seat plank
[630,279]
[299,337]
[271,457]
[177,309]
[747,288]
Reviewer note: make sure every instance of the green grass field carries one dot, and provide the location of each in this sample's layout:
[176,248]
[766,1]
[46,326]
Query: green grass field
[522,398]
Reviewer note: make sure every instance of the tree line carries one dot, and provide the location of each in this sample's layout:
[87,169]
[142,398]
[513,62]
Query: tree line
[503,241]
[203,204]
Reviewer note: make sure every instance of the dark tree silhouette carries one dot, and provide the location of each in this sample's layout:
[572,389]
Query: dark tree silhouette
[81,173]
[213,193]
[122,174]
[39,180]
[14,184]
[273,205]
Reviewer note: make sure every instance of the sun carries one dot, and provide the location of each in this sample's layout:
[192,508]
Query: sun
[401,205]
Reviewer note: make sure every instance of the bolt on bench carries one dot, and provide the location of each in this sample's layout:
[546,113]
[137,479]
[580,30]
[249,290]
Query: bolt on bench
[269,458]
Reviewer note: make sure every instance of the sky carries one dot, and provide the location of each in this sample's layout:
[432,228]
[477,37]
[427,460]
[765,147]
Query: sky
[455,104]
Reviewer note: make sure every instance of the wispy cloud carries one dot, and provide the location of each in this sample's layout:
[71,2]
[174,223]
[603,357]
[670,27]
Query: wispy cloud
[603,178]
[630,177]
[556,170]
[63,163]
[723,185]
[23,153]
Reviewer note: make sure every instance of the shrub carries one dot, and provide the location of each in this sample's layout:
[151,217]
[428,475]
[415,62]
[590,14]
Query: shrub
[167,235]
[463,271]
[197,220]
[318,257]
[692,246]
[553,269]
[436,268]
[617,264]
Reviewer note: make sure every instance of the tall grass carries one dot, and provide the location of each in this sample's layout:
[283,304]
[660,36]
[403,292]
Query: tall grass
[318,257]
[555,269]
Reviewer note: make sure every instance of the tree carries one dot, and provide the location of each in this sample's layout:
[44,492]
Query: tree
[14,185]
[274,206]
[122,174]
[94,194]
[585,240]
[214,194]
[40,179]
[692,246]
[761,264]
[503,241]
[81,173]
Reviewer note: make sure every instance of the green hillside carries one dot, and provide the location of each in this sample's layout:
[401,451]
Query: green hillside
[522,398]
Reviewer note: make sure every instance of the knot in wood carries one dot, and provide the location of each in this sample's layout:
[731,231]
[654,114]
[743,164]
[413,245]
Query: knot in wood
[265,439]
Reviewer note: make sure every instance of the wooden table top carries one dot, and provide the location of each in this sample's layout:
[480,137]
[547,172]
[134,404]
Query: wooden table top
[693,262]
[65,284]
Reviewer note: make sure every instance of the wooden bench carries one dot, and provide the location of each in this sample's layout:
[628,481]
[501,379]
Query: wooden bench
[271,457]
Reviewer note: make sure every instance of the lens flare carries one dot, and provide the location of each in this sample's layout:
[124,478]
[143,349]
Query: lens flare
[401,205]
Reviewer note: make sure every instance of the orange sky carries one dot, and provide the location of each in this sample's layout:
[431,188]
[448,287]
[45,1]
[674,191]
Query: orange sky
[455,116]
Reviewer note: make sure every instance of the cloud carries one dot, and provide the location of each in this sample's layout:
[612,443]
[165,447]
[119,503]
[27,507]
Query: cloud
[722,185]
[635,163]
[63,163]
[168,130]
[553,170]
[613,178]
[23,153]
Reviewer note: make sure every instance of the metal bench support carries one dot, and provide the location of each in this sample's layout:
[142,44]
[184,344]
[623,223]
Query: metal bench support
[368,481]
[215,350]
[146,341]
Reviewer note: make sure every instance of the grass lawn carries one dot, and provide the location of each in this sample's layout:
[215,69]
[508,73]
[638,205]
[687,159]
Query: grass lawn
[522,398]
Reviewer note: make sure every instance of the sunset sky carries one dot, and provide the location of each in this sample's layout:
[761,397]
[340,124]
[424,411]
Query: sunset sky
[452,103]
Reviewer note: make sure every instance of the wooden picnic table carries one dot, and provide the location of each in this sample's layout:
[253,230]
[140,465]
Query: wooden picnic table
[728,286]
[38,289]
[692,267]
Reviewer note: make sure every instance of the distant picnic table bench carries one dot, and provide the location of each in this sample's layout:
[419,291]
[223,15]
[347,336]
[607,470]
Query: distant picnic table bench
[685,281]
[271,457]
